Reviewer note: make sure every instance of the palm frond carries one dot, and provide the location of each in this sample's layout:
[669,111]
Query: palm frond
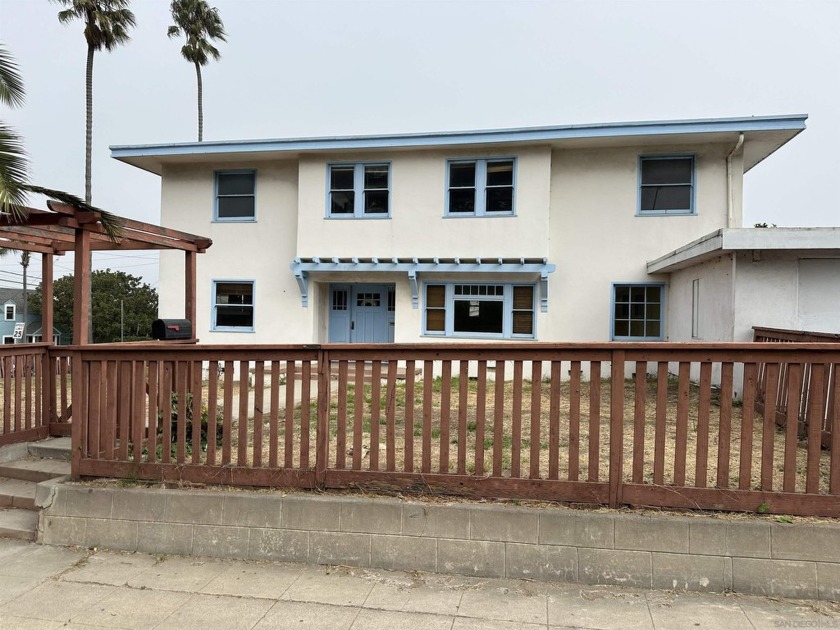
[201,25]
[14,173]
[109,221]
[11,83]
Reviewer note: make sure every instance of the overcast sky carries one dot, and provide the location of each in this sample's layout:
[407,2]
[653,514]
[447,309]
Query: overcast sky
[312,68]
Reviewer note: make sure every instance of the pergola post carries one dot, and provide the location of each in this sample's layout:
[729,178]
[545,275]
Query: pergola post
[81,288]
[189,287]
[47,305]
[48,368]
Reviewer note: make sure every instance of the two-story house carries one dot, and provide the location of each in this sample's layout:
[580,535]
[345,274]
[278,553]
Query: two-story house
[14,327]
[518,234]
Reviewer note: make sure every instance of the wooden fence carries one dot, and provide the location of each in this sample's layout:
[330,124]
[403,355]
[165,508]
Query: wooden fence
[800,378]
[24,396]
[609,424]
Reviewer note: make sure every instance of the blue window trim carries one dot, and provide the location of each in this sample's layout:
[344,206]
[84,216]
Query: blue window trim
[358,190]
[507,311]
[613,286]
[239,329]
[480,187]
[667,213]
[232,171]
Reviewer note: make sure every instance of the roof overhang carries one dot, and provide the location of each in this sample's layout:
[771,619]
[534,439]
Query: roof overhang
[540,267]
[762,136]
[814,241]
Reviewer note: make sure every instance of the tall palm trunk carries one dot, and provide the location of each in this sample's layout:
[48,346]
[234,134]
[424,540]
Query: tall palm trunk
[88,154]
[200,108]
[88,121]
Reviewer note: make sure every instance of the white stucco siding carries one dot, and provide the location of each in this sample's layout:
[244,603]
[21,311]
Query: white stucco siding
[259,251]
[417,225]
[818,299]
[596,237]
[765,293]
[715,319]
[780,290]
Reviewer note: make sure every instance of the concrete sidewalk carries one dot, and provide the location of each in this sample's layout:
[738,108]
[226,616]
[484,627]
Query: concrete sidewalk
[51,587]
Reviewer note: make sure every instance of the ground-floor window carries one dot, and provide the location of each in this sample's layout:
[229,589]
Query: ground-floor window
[480,310]
[8,339]
[233,305]
[638,312]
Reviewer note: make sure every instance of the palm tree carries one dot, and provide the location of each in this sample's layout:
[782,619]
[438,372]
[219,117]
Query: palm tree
[14,184]
[107,23]
[13,162]
[201,25]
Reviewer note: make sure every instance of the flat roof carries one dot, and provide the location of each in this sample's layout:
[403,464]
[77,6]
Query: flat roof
[726,240]
[763,135]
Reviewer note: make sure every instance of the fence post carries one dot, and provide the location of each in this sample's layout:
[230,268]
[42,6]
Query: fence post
[79,419]
[322,421]
[48,405]
[616,427]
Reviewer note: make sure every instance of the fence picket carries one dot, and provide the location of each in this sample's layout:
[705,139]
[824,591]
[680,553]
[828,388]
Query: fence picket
[747,420]
[516,423]
[768,433]
[791,426]
[445,412]
[816,400]
[574,421]
[480,416]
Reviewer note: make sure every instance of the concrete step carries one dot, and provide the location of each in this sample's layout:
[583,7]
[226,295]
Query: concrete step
[35,469]
[51,448]
[20,524]
[15,493]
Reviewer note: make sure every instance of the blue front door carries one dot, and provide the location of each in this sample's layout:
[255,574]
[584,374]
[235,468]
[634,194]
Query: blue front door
[361,313]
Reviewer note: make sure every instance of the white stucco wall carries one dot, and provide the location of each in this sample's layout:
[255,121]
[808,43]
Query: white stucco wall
[575,207]
[596,238]
[782,290]
[260,251]
[417,226]
[716,289]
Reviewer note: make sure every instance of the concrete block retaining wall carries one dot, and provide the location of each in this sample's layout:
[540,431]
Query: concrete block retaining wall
[695,553]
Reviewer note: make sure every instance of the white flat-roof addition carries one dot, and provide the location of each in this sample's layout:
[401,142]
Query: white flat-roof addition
[822,240]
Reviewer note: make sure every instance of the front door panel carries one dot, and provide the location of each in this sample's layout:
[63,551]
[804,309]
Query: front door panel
[361,313]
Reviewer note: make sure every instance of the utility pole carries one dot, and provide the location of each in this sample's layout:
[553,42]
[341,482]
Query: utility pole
[122,320]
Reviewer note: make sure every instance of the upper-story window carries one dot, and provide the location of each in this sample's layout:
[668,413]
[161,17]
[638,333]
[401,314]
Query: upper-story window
[359,191]
[235,196]
[666,185]
[480,188]
[10,312]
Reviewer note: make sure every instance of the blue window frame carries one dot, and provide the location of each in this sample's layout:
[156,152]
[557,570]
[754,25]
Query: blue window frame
[235,193]
[480,187]
[492,310]
[359,191]
[638,312]
[233,306]
[666,185]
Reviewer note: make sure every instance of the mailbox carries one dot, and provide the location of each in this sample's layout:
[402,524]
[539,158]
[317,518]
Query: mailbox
[172,329]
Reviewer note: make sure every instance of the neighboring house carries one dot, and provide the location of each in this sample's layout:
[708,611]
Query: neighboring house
[522,234]
[30,332]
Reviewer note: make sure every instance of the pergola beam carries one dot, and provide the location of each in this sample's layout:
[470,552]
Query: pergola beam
[67,228]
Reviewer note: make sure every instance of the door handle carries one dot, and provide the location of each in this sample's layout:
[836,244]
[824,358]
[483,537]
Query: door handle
[353,325]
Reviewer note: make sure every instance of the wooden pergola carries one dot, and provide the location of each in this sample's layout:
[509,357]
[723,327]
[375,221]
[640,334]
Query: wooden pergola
[66,228]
